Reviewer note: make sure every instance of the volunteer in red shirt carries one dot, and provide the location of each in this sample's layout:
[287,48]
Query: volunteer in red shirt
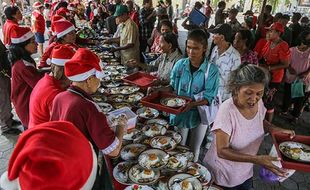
[77,106]
[54,155]
[43,94]
[38,25]
[13,15]
[65,34]
[275,57]
[24,73]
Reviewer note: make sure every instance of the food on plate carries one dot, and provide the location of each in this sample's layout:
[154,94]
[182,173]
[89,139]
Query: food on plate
[131,151]
[186,185]
[171,103]
[148,113]
[163,142]
[296,151]
[123,169]
[142,176]
[173,162]
[193,171]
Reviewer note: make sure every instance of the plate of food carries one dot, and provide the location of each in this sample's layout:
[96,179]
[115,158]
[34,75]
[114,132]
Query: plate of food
[120,172]
[184,182]
[99,98]
[163,142]
[132,135]
[135,97]
[129,89]
[142,176]
[105,107]
[118,98]
[177,162]
[175,135]
[154,130]
[114,63]
[199,171]
[157,122]
[111,84]
[118,77]
[185,150]
[115,90]
[153,159]
[173,102]
[121,105]
[147,113]
[131,152]
[139,187]
[295,150]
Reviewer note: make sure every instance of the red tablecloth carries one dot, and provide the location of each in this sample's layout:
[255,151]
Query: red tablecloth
[116,184]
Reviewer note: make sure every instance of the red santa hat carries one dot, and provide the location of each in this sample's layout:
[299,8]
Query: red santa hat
[62,28]
[71,7]
[37,5]
[63,11]
[61,54]
[83,64]
[21,34]
[53,155]
[54,19]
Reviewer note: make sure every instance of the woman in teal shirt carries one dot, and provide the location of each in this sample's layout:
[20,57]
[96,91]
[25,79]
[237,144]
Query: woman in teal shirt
[188,79]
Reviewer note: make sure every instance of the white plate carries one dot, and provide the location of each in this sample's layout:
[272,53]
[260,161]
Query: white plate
[295,150]
[136,175]
[195,183]
[205,175]
[132,135]
[179,165]
[175,135]
[105,107]
[154,130]
[122,177]
[132,98]
[128,89]
[157,121]
[173,102]
[147,113]
[138,187]
[118,98]
[131,151]
[160,159]
[163,142]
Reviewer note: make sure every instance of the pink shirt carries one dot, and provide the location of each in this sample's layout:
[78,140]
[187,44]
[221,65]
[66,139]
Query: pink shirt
[300,61]
[245,137]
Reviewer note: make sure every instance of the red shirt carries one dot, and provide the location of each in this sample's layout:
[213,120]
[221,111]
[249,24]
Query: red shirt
[77,106]
[41,100]
[38,22]
[24,77]
[273,56]
[8,27]
[134,17]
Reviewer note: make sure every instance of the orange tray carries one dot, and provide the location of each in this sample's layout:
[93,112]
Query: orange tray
[141,79]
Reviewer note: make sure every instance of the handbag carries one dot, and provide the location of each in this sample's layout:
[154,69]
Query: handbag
[207,113]
[297,89]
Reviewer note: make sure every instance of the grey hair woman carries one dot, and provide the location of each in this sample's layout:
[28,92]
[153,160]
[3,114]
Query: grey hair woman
[239,129]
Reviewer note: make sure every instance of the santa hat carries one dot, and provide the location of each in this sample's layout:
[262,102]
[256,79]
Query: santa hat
[53,20]
[37,5]
[20,35]
[61,54]
[53,155]
[63,11]
[62,28]
[71,7]
[82,65]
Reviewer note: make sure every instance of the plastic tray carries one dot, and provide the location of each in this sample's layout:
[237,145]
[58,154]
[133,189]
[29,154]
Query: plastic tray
[286,162]
[148,58]
[153,101]
[131,116]
[197,17]
[143,80]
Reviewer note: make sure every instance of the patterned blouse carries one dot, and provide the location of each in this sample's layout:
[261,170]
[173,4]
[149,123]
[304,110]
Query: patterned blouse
[250,57]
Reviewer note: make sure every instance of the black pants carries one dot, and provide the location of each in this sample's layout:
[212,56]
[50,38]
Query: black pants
[288,101]
[247,185]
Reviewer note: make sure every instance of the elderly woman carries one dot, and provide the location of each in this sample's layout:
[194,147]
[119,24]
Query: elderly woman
[242,43]
[188,79]
[239,129]
[299,69]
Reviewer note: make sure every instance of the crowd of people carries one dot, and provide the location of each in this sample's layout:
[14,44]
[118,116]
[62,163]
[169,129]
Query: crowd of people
[241,72]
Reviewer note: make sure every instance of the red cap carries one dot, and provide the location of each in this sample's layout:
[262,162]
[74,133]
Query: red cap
[21,34]
[37,4]
[53,155]
[62,27]
[276,26]
[61,54]
[63,11]
[82,65]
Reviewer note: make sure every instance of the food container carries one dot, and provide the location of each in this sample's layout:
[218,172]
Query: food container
[287,162]
[149,57]
[141,79]
[131,116]
[153,101]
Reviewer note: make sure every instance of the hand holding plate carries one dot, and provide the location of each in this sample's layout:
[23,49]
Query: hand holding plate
[266,161]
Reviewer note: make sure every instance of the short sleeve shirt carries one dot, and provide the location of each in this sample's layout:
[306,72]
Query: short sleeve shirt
[76,106]
[245,136]
[129,35]
[275,55]
[38,21]
[226,62]
[41,100]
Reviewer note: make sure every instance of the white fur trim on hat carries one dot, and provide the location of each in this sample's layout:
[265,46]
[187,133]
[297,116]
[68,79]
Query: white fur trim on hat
[70,8]
[59,62]
[23,38]
[6,184]
[86,75]
[61,34]
[93,174]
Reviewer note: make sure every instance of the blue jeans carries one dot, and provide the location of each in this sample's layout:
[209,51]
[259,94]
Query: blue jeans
[247,185]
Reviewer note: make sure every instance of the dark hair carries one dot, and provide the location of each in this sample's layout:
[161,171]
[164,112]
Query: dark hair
[11,11]
[221,4]
[268,8]
[297,16]
[247,74]
[247,36]
[200,36]
[234,11]
[303,38]
[165,22]
[61,4]
[285,17]
[172,39]
[168,1]
[146,1]
[47,5]
[17,52]
[198,5]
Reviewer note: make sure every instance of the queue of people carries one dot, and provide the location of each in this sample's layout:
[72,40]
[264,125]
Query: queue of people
[58,113]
